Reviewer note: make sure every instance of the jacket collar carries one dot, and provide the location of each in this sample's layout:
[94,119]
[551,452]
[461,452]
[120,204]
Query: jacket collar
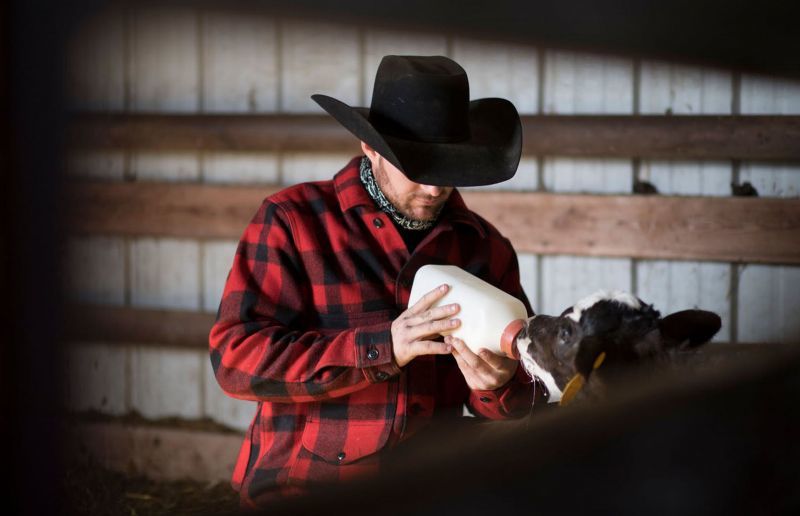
[351,193]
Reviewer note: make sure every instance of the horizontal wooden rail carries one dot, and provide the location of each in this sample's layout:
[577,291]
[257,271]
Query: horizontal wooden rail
[606,136]
[731,229]
[125,325]
[117,325]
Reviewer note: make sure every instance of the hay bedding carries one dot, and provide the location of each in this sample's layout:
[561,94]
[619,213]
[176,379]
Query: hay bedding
[89,489]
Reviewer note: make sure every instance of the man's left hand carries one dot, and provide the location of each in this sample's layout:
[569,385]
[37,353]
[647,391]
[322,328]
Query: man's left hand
[484,371]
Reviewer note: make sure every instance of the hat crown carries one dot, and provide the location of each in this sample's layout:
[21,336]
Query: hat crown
[421,98]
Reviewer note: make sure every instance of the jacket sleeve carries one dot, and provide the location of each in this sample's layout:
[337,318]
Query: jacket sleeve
[257,351]
[516,398]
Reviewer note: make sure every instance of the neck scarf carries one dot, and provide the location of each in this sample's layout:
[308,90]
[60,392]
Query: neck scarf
[368,179]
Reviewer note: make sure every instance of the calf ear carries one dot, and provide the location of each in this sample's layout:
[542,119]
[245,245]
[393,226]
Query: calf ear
[693,326]
[589,349]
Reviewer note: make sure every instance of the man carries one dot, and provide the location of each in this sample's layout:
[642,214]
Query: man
[313,323]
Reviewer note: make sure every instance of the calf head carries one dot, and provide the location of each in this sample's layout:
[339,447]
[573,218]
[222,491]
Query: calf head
[614,329]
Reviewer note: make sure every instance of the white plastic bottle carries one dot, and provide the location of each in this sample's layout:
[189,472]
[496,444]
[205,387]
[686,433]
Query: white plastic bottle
[490,318]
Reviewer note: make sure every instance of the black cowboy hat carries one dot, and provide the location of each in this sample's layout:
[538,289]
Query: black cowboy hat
[422,121]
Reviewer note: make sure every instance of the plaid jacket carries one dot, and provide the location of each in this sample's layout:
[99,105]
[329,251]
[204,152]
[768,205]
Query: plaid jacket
[304,329]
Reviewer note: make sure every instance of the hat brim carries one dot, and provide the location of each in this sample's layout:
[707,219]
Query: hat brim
[491,154]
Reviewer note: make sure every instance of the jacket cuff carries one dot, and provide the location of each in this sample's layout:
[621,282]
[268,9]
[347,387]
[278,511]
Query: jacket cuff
[373,351]
[513,399]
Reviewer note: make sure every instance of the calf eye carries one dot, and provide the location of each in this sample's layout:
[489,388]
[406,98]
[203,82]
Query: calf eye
[564,333]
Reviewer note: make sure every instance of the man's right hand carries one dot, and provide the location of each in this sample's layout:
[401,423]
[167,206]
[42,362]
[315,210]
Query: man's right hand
[412,329]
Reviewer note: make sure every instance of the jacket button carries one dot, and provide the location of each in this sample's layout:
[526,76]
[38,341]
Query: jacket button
[380,375]
[372,354]
[378,223]
[341,456]
[485,399]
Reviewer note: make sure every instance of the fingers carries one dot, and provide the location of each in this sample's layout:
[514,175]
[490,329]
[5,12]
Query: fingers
[428,300]
[429,328]
[494,360]
[482,371]
[439,312]
[471,359]
[430,347]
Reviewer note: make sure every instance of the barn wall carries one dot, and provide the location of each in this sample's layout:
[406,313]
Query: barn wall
[184,60]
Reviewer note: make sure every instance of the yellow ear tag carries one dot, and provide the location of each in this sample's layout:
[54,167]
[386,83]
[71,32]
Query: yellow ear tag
[577,382]
[599,360]
[572,388]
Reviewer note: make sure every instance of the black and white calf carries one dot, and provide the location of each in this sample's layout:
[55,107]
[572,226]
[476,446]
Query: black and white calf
[582,352]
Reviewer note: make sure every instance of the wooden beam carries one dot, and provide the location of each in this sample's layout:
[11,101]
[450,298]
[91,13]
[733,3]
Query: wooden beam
[681,137]
[728,229]
[125,325]
[162,209]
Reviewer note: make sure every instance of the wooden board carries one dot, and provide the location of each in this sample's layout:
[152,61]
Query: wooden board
[109,324]
[752,230]
[769,137]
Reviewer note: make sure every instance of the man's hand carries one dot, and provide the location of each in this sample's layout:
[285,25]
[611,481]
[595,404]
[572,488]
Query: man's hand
[485,371]
[412,328]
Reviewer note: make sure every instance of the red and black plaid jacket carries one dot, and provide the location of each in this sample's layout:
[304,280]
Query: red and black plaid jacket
[304,329]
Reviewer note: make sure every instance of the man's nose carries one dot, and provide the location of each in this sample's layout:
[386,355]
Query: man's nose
[433,191]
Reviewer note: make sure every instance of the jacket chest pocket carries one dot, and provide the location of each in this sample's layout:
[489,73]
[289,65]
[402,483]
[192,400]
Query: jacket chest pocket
[334,450]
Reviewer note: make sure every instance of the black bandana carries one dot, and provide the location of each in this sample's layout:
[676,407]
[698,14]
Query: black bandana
[368,179]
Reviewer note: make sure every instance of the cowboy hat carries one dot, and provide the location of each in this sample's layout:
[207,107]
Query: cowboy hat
[422,121]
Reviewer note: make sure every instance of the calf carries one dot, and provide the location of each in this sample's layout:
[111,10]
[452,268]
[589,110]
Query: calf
[583,352]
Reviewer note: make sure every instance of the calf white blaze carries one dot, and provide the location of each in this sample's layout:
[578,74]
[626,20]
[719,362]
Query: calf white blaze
[536,370]
[625,298]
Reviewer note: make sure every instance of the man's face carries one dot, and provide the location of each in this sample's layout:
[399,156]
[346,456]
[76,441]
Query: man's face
[415,201]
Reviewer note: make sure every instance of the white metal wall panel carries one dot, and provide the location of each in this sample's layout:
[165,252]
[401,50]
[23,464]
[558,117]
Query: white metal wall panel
[240,68]
[528,265]
[769,296]
[772,180]
[220,407]
[709,178]
[166,166]
[672,286]
[769,301]
[240,63]
[96,377]
[500,70]
[587,84]
[165,67]
[165,73]
[382,42]
[318,58]
[95,75]
[583,175]
[769,96]
[524,180]
[675,285]
[217,261]
[584,84]
[95,270]
[301,167]
[240,168]
[677,89]
[165,273]
[167,382]
[567,279]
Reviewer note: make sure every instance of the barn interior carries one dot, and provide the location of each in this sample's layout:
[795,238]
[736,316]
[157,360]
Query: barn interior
[661,156]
